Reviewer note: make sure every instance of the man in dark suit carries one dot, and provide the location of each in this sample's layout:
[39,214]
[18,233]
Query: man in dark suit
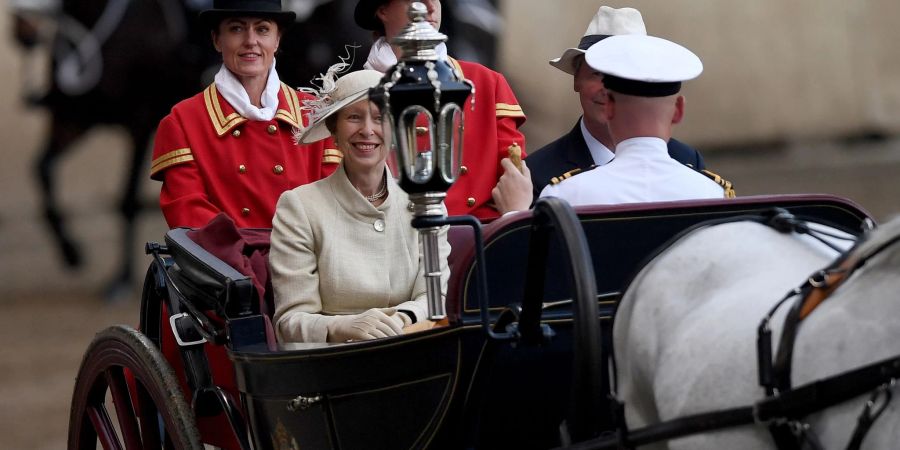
[589,143]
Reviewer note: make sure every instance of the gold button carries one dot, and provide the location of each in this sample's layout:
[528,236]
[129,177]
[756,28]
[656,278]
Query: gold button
[272,129]
[245,212]
[470,201]
[278,169]
[242,168]
[421,131]
[236,133]
[463,170]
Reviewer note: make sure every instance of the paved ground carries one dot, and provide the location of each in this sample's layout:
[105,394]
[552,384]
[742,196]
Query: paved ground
[49,313]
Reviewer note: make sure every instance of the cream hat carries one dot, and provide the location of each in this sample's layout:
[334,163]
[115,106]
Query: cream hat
[334,95]
[645,66]
[607,22]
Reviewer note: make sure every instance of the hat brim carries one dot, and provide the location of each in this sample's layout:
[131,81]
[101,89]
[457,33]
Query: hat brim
[364,14]
[213,17]
[318,131]
[566,62]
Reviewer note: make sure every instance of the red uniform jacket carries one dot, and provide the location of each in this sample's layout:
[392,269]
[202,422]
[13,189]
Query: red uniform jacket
[211,159]
[490,129]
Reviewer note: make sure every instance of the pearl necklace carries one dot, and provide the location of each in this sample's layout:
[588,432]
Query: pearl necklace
[378,195]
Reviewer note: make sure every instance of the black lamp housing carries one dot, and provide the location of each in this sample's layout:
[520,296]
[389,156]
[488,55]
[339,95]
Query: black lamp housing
[420,98]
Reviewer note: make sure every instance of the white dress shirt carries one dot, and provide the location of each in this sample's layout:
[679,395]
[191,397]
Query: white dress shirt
[642,171]
[600,153]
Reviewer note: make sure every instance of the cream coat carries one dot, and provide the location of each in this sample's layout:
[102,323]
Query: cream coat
[329,258]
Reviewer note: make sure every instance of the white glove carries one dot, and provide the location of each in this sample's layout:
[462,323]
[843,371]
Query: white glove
[372,324]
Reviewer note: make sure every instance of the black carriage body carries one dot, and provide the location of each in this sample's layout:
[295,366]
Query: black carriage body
[449,387]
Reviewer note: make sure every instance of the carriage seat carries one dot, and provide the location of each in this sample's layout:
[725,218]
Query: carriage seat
[223,269]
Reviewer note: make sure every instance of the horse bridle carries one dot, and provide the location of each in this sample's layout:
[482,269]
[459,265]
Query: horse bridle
[784,406]
[775,374]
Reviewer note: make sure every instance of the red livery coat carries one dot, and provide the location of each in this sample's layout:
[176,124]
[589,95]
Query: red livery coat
[211,159]
[490,129]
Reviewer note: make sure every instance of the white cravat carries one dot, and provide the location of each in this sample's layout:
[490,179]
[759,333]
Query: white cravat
[235,94]
[382,57]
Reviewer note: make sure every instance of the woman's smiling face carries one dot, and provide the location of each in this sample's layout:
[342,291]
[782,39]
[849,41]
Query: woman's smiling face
[359,135]
[248,45]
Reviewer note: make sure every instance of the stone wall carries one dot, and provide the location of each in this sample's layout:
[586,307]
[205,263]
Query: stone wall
[774,71]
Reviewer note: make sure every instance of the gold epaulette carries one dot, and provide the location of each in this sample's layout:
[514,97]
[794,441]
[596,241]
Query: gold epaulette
[569,174]
[726,185]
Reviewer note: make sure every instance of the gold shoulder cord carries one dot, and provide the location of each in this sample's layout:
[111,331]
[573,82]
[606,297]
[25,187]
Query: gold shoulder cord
[570,174]
[727,186]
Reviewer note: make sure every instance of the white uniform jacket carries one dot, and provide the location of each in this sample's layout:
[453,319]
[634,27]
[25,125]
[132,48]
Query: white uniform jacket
[642,171]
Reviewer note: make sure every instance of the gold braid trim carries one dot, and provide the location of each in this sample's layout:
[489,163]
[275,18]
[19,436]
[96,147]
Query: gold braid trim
[727,186]
[507,110]
[332,156]
[170,159]
[570,174]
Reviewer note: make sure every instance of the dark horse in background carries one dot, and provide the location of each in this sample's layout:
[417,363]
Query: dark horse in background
[127,62]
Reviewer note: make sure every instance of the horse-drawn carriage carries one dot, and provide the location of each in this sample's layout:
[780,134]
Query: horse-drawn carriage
[518,365]
[525,356]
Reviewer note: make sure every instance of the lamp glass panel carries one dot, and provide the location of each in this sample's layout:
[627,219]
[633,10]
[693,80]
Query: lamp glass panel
[416,141]
[388,131]
[450,130]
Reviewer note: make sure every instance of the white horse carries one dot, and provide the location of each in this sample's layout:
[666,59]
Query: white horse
[685,332]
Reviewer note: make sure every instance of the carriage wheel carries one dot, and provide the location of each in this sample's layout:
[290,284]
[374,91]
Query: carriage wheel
[123,368]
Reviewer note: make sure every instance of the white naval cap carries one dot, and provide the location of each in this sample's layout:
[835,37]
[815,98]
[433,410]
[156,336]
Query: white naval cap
[644,66]
[607,22]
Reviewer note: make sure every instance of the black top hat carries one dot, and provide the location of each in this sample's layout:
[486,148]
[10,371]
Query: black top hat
[269,9]
[364,14]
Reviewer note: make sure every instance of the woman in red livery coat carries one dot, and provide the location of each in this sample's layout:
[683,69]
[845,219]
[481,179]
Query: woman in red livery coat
[491,128]
[230,148]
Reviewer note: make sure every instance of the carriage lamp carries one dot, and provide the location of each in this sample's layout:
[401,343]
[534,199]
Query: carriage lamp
[420,100]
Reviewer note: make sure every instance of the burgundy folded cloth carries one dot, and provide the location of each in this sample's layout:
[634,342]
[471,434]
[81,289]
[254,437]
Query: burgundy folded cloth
[245,249]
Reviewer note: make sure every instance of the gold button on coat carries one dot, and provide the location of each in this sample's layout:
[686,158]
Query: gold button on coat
[421,131]
[463,170]
[242,168]
[236,133]
[470,201]
[278,169]
[245,212]
[272,129]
